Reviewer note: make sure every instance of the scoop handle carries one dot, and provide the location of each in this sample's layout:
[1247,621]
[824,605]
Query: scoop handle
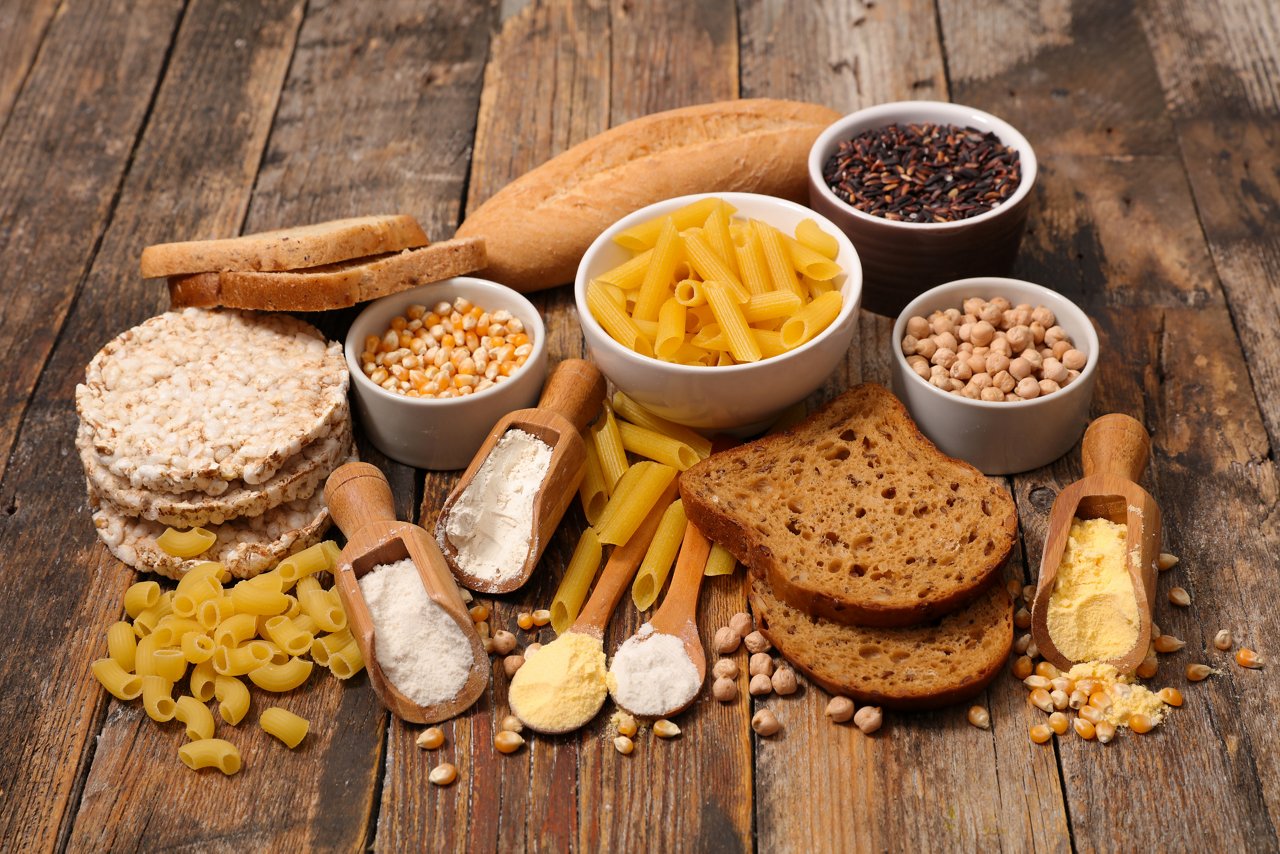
[575,390]
[358,494]
[1116,444]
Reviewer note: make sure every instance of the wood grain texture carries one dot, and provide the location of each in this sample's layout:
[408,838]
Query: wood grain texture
[74,128]
[1111,170]
[22,29]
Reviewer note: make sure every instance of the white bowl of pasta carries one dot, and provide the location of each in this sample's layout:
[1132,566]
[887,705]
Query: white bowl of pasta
[716,342]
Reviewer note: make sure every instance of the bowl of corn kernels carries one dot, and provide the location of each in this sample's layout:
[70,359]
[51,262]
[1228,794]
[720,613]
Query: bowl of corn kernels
[434,368]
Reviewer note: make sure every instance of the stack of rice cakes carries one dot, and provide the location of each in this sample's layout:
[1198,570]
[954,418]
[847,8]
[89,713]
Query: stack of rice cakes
[220,419]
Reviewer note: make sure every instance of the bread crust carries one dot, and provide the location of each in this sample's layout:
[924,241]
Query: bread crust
[286,248]
[709,510]
[538,226]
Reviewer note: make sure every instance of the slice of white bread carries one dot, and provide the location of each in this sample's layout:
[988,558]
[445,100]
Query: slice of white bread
[538,226]
[855,516]
[287,248]
[916,667]
[331,286]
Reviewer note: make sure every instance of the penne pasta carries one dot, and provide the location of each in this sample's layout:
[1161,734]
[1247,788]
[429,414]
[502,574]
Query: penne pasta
[657,279]
[122,645]
[592,492]
[716,229]
[186,544]
[577,579]
[751,263]
[332,552]
[658,560]
[728,314]
[119,684]
[719,561]
[810,234]
[634,504]
[808,262]
[233,698]
[709,337]
[629,275]
[279,678]
[616,321]
[815,287]
[210,753]
[289,728]
[688,354]
[627,408]
[711,266]
[768,306]
[670,335]
[643,236]
[202,681]
[196,716]
[140,597]
[770,342]
[655,446]
[781,270]
[811,319]
[157,698]
[689,293]
[608,442]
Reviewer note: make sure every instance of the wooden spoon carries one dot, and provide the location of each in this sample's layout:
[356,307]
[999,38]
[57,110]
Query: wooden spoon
[571,400]
[678,614]
[360,501]
[1114,452]
[614,579]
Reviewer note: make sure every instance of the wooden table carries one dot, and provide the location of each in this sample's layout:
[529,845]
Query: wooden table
[1157,127]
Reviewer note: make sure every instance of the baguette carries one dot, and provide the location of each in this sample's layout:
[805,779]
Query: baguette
[331,286]
[917,667]
[286,248]
[538,227]
[855,516]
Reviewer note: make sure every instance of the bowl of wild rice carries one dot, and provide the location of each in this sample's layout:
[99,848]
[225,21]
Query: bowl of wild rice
[927,192]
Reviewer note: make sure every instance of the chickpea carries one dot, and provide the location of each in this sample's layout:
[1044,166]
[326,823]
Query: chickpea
[1054,334]
[918,327]
[1004,381]
[982,380]
[757,642]
[1001,345]
[1019,338]
[992,394]
[921,367]
[1002,303]
[1033,358]
[954,315]
[1053,370]
[973,305]
[982,333]
[960,370]
[996,363]
[784,681]
[971,391]
[955,385]
[1060,349]
[1073,359]
[726,640]
[1049,387]
[1037,332]
[909,345]
[926,347]
[981,350]
[765,723]
[946,341]
[944,358]
[725,690]
[1028,388]
[741,621]
[977,364]
[1020,368]
[725,668]
[1044,317]
[760,685]
[1071,377]
[965,332]
[966,348]
[942,324]
[760,662]
[990,314]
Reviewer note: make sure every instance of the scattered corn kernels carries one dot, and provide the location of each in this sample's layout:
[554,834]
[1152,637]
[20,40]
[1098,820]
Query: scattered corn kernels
[840,709]
[624,745]
[1020,645]
[1166,561]
[1168,643]
[1105,731]
[525,621]
[1092,714]
[626,725]
[1014,586]
[1041,700]
[665,729]
[1022,667]
[1040,733]
[1141,723]
[443,774]
[1198,672]
[1047,670]
[1246,657]
[541,617]
[1148,666]
[1035,680]
[1084,729]
[508,742]
[1171,696]
[1059,722]
[1022,619]
[511,723]
[1059,698]
[479,613]
[1179,596]
[979,717]
[430,738]
[1223,640]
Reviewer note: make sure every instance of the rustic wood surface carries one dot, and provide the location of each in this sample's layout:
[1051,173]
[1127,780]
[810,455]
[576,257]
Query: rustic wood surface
[1157,126]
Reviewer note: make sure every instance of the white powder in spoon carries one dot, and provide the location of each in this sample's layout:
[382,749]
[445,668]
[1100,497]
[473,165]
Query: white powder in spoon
[419,647]
[490,526]
[652,673]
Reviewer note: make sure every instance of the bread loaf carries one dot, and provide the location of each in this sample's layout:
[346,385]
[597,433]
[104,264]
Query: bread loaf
[855,516]
[286,248]
[537,228]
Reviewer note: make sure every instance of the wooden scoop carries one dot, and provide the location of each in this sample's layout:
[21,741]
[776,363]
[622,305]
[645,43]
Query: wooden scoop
[1114,452]
[570,401]
[616,577]
[678,614]
[359,499]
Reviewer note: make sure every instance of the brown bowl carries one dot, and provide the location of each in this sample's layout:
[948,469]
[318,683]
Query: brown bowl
[901,260]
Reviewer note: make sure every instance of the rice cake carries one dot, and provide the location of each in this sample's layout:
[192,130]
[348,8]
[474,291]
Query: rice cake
[300,477]
[195,400]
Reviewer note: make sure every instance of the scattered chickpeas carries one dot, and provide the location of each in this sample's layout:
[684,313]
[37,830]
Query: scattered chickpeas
[503,642]
[511,723]
[1223,640]
[989,353]
[741,623]
[757,642]
[508,742]
[443,774]
[624,745]
[430,738]
[1166,561]
[664,728]
[979,717]
[765,723]
[727,640]
[541,617]
[1246,657]
[784,681]
[760,685]
[760,662]
[840,709]
[1179,596]
[626,725]
[868,719]
[724,689]
[511,664]
[725,668]
[451,350]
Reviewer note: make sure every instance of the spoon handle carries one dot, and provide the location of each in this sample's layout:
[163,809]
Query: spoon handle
[575,390]
[681,601]
[1116,444]
[358,494]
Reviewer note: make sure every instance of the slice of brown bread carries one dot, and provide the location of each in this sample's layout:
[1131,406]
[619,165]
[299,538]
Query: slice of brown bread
[332,285]
[916,667]
[855,516]
[287,248]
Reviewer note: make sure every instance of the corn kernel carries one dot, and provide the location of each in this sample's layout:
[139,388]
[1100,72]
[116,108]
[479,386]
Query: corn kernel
[1171,696]
[1040,733]
[1223,640]
[1092,714]
[1168,643]
[1105,731]
[508,742]
[1047,670]
[525,620]
[1022,667]
[1084,729]
[1059,722]
[979,717]
[1246,657]
[1198,672]
[1041,700]
[1141,723]
[1179,596]
[665,729]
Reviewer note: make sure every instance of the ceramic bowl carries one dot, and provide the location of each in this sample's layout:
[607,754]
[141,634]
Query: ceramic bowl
[1004,437]
[902,259]
[739,398]
[442,434]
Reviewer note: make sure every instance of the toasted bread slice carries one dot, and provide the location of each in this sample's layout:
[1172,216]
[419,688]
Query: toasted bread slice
[333,285]
[916,667]
[855,516]
[286,248]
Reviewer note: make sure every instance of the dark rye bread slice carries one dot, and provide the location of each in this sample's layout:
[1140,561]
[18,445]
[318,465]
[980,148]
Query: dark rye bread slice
[916,667]
[855,516]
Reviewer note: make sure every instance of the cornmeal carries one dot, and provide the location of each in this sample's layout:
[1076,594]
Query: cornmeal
[1127,697]
[562,686]
[1093,609]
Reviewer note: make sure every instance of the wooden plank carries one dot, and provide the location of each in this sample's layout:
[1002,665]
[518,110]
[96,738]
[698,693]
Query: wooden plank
[966,788]
[73,127]
[22,29]
[1117,232]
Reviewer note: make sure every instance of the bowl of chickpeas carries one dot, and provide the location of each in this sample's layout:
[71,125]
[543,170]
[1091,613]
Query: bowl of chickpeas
[997,372]
[434,368]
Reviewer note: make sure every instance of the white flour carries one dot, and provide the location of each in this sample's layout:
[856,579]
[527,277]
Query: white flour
[491,524]
[421,649]
[652,673]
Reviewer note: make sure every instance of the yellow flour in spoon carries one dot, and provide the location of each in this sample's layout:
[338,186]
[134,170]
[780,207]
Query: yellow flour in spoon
[562,686]
[1093,609]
